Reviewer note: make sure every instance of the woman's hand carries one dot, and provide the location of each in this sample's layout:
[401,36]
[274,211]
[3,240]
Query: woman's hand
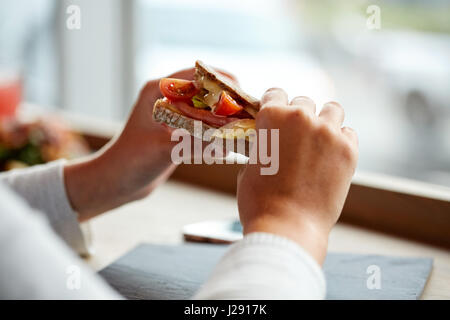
[130,166]
[317,159]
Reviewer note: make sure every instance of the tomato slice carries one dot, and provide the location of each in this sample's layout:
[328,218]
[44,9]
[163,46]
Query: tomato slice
[203,115]
[227,106]
[178,90]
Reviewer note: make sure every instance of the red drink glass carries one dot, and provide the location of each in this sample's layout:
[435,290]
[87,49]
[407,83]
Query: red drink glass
[10,93]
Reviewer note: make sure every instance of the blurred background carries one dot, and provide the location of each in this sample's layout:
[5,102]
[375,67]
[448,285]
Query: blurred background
[386,62]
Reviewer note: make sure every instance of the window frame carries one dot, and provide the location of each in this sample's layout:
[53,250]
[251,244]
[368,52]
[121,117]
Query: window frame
[117,96]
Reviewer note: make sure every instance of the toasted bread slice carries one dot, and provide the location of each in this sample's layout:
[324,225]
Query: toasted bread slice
[203,71]
[164,112]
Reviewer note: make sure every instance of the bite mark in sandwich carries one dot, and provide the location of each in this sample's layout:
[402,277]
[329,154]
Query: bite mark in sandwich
[212,98]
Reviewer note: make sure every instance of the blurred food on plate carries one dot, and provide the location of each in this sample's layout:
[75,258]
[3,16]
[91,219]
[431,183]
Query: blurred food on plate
[27,143]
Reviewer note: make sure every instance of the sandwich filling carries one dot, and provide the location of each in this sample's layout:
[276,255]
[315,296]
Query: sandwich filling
[206,101]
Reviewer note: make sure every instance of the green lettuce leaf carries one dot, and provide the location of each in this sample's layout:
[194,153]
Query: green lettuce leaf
[198,103]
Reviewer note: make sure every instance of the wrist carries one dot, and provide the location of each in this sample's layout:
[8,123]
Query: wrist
[111,178]
[308,234]
[88,186]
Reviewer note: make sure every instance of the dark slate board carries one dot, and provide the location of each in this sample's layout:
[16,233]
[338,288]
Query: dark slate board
[157,272]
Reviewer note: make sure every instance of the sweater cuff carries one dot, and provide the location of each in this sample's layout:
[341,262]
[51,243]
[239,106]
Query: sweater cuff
[265,266]
[44,189]
[299,254]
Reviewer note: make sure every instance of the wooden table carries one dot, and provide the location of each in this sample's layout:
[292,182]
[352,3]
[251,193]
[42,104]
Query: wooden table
[159,220]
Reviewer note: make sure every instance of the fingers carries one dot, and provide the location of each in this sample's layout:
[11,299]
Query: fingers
[333,113]
[186,74]
[151,89]
[241,174]
[274,97]
[351,135]
[304,103]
